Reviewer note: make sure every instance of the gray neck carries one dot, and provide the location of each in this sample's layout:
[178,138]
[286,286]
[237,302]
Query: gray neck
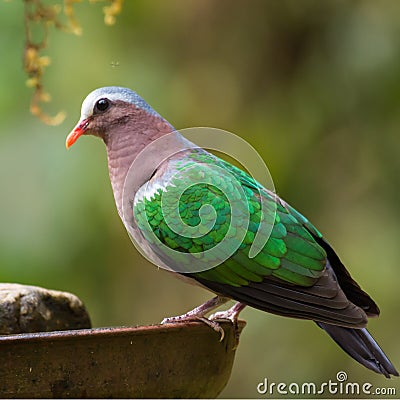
[134,155]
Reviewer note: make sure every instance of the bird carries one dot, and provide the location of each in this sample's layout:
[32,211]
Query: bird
[294,273]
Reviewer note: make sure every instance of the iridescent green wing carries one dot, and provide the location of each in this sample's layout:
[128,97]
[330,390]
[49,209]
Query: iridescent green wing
[290,254]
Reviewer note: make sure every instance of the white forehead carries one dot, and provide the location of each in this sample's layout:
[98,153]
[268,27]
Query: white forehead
[113,93]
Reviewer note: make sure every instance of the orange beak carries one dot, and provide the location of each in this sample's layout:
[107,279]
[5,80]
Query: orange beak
[78,131]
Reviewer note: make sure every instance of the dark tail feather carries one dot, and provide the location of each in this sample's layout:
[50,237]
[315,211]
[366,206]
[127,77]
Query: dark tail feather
[360,345]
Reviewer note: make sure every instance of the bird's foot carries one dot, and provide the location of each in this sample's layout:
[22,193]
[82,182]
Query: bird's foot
[198,314]
[232,315]
[186,318]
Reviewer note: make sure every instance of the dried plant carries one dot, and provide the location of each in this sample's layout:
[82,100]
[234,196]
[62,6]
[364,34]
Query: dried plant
[37,13]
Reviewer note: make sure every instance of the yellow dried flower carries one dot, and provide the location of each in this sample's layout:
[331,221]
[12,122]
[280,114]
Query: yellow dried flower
[109,19]
[37,13]
[31,58]
[45,97]
[111,11]
[32,82]
[73,25]
[44,61]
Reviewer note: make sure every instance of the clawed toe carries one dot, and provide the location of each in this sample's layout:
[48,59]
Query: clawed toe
[179,318]
[198,314]
[219,315]
[214,325]
[190,318]
[232,315]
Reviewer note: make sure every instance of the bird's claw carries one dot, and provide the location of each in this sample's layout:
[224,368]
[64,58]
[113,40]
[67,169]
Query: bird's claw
[198,314]
[221,315]
[187,318]
[232,315]
[214,325]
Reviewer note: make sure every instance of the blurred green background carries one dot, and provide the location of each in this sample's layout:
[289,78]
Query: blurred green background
[314,86]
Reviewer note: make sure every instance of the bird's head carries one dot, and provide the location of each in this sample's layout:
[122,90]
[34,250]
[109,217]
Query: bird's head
[107,108]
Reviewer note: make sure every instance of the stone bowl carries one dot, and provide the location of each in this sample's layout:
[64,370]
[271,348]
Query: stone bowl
[158,361]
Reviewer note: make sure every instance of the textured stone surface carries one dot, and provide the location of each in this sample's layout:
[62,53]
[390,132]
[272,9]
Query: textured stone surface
[34,309]
[181,360]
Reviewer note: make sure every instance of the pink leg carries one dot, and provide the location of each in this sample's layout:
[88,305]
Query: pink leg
[198,314]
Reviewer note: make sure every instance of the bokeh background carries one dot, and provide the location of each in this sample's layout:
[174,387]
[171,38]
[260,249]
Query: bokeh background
[314,86]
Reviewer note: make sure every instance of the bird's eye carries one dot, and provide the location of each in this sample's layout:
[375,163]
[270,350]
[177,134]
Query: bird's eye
[101,106]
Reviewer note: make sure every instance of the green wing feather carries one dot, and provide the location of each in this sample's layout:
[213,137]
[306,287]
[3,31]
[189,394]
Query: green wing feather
[291,254]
